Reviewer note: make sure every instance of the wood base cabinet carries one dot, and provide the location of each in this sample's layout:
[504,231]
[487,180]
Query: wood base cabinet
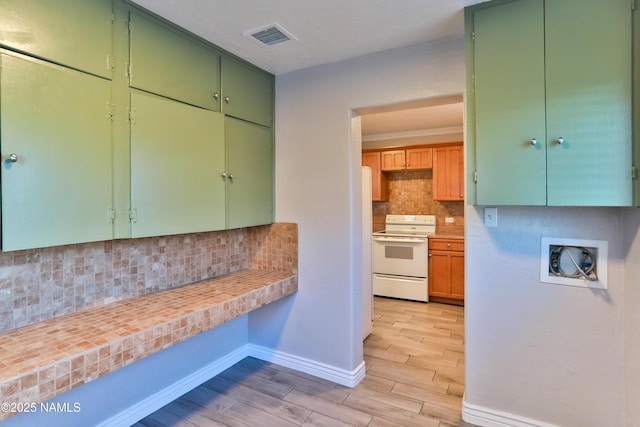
[446,268]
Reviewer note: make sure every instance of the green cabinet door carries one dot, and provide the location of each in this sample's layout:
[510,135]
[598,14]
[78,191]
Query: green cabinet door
[588,69]
[247,93]
[559,72]
[509,104]
[57,123]
[74,33]
[177,156]
[167,62]
[249,169]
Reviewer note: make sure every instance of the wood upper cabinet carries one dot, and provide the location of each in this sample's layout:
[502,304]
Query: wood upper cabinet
[448,173]
[379,189]
[406,159]
[419,158]
[393,160]
[446,268]
[550,84]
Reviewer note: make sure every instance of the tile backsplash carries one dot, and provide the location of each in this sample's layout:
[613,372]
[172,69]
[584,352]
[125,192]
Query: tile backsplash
[410,192]
[41,284]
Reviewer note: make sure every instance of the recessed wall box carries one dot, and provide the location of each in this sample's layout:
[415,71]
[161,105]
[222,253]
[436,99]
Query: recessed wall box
[574,262]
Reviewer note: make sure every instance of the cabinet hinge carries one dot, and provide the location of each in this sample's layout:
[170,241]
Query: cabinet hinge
[475,177]
[110,111]
[128,71]
[111,63]
[132,115]
[111,215]
[113,17]
[634,173]
[133,215]
[634,4]
[473,37]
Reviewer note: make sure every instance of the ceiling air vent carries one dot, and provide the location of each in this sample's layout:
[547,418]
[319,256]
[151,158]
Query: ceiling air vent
[269,35]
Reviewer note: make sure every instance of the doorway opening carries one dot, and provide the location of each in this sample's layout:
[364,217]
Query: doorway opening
[415,150]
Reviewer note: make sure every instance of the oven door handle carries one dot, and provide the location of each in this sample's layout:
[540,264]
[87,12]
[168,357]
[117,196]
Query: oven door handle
[392,240]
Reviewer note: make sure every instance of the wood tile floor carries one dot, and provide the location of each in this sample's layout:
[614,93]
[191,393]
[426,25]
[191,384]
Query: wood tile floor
[415,377]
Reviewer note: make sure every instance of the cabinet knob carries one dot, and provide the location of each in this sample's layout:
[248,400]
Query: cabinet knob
[227,99]
[216,96]
[533,141]
[560,140]
[223,175]
[13,157]
[448,245]
[231,176]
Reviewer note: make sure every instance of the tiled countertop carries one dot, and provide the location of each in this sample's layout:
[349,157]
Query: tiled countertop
[43,360]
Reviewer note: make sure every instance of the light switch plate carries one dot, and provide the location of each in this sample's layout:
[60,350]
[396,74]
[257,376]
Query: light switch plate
[491,217]
[448,220]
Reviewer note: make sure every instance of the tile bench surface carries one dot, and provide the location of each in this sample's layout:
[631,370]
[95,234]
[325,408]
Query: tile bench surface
[43,360]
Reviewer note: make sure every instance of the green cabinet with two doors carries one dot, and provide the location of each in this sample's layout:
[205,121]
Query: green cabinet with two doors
[549,102]
[62,125]
[170,63]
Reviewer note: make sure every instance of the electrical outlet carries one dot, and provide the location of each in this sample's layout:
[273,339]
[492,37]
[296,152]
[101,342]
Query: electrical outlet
[491,217]
[448,220]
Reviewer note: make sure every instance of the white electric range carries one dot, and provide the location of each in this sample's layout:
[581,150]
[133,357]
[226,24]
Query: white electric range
[400,257]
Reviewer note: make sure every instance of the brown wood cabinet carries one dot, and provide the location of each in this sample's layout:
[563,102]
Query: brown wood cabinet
[419,158]
[448,173]
[393,160]
[407,159]
[379,187]
[446,269]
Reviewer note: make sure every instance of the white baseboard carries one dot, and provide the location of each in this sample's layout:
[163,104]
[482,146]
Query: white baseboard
[311,367]
[151,404]
[487,417]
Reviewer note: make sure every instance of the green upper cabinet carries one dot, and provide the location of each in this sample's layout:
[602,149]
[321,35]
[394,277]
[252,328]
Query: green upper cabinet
[247,93]
[550,102]
[167,62]
[117,124]
[74,33]
[249,156]
[56,155]
[177,157]
[509,104]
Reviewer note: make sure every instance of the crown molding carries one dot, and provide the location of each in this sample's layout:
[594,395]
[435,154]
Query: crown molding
[411,134]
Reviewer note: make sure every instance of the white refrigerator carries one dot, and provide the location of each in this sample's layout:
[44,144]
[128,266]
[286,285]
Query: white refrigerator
[367,264]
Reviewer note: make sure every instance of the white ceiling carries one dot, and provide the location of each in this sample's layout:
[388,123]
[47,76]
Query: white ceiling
[325,30]
[440,118]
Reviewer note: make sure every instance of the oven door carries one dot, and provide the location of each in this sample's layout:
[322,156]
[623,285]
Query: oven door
[402,256]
